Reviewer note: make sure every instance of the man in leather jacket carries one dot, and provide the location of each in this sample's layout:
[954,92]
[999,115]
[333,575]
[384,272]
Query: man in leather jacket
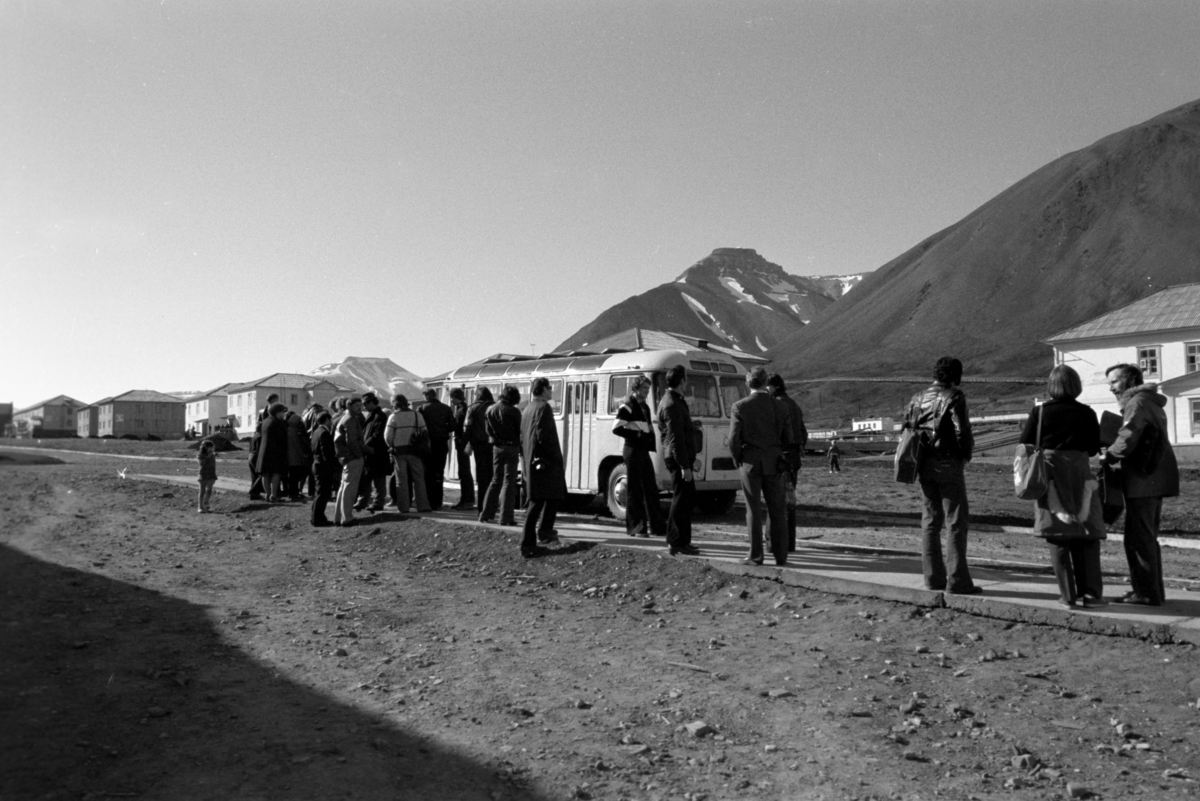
[1148,471]
[939,413]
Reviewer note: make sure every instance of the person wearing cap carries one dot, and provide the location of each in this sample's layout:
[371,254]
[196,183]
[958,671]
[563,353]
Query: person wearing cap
[348,445]
[503,421]
[439,420]
[462,454]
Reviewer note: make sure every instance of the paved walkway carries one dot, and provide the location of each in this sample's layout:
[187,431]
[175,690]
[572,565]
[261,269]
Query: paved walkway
[1021,593]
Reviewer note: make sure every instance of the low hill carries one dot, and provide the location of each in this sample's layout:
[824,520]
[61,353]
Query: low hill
[733,297]
[1088,232]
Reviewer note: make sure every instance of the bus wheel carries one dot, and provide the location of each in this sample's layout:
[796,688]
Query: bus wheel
[716,502]
[618,492]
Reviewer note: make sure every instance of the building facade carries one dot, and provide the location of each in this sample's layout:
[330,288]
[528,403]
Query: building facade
[1160,334]
[140,413]
[207,410]
[54,417]
[295,391]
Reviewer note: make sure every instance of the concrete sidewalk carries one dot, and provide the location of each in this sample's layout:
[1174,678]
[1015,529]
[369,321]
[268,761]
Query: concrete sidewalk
[1020,593]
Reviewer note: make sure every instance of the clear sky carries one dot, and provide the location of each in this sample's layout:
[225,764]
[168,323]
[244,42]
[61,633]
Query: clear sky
[196,192]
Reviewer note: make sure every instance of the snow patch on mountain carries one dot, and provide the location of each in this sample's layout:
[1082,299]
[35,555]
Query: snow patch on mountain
[761,346]
[739,291]
[372,374]
[710,322]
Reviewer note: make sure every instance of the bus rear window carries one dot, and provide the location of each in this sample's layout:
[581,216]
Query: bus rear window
[732,391]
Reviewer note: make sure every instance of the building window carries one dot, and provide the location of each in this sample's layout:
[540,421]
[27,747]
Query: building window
[1148,362]
[294,401]
[1196,415]
[1193,357]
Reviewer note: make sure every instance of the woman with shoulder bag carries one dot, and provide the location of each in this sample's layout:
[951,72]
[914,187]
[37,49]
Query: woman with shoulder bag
[1069,515]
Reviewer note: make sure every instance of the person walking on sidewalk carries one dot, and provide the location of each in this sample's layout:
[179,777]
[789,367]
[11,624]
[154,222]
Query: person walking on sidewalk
[546,476]
[643,514]
[503,422]
[940,416]
[760,433]
[678,437]
[1145,463]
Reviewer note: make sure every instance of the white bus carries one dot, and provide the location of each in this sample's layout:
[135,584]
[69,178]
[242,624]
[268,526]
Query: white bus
[588,391]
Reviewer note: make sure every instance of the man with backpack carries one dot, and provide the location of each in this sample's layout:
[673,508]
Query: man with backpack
[938,416]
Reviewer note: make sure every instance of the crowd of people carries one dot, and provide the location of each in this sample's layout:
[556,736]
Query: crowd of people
[377,459]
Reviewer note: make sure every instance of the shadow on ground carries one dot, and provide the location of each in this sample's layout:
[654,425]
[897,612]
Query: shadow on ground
[108,689]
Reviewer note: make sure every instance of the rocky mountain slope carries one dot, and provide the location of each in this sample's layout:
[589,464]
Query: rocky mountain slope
[1086,233]
[734,297]
[372,373]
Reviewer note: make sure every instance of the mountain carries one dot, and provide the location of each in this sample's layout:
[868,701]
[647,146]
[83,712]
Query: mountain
[1086,233]
[374,374]
[734,297]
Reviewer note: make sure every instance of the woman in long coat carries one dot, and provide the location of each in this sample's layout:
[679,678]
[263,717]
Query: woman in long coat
[273,452]
[1069,516]
[542,465]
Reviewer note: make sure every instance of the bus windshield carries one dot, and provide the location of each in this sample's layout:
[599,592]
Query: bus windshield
[732,390]
[701,394]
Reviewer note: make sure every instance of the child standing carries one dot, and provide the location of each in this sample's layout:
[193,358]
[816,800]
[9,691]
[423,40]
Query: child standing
[207,457]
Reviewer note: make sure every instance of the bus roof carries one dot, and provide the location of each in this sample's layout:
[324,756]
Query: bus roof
[507,365]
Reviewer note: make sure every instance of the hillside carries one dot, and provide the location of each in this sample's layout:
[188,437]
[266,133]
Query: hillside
[1086,233]
[371,373]
[734,297]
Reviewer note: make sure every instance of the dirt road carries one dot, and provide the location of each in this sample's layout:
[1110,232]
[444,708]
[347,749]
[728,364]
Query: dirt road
[151,652]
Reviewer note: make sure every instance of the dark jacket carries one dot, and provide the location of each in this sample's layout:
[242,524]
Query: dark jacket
[503,422]
[1144,457]
[273,453]
[475,426]
[299,448]
[379,460]
[634,411]
[460,418]
[941,413]
[795,454]
[541,453]
[439,419]
[325,459]
[676,431]
[759,433]
[1067,425]
[255,447]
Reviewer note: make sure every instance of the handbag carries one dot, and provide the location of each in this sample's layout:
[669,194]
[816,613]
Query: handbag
[420,442]
[910,449]
[1112,497]
[1029,467]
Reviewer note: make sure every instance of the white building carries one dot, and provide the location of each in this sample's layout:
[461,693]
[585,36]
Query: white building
[884,425]
[295,391]
[207,410]
[1160,334]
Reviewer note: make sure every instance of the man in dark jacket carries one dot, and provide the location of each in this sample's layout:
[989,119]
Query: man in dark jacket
[678,438]
[325,466]
[475,428]
[760,434]
[1146,465]
[795,453]
[348,445]
[377,462]
[503,421]
[462,456]
[545,473]
[939,414]
[256,481]
[643,515]
[273,453]
[439,422]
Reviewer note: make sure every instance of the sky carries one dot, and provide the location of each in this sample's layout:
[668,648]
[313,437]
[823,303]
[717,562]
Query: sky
[193,193]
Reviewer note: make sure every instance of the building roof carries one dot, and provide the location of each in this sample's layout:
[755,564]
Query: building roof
[1167,309]
[221,390]
[645,339]
[57,400]
[142,396]
[277,381]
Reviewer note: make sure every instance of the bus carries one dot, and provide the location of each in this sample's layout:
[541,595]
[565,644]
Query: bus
[588,389]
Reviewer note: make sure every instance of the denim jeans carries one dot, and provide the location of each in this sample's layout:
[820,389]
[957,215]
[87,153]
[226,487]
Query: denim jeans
[502,492]
[945,492]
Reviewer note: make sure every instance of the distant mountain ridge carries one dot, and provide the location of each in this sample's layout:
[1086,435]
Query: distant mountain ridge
[733,296]
[1087,233]
[372,374]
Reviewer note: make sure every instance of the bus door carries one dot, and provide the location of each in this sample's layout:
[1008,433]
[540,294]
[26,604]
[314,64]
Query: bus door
[579,418]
